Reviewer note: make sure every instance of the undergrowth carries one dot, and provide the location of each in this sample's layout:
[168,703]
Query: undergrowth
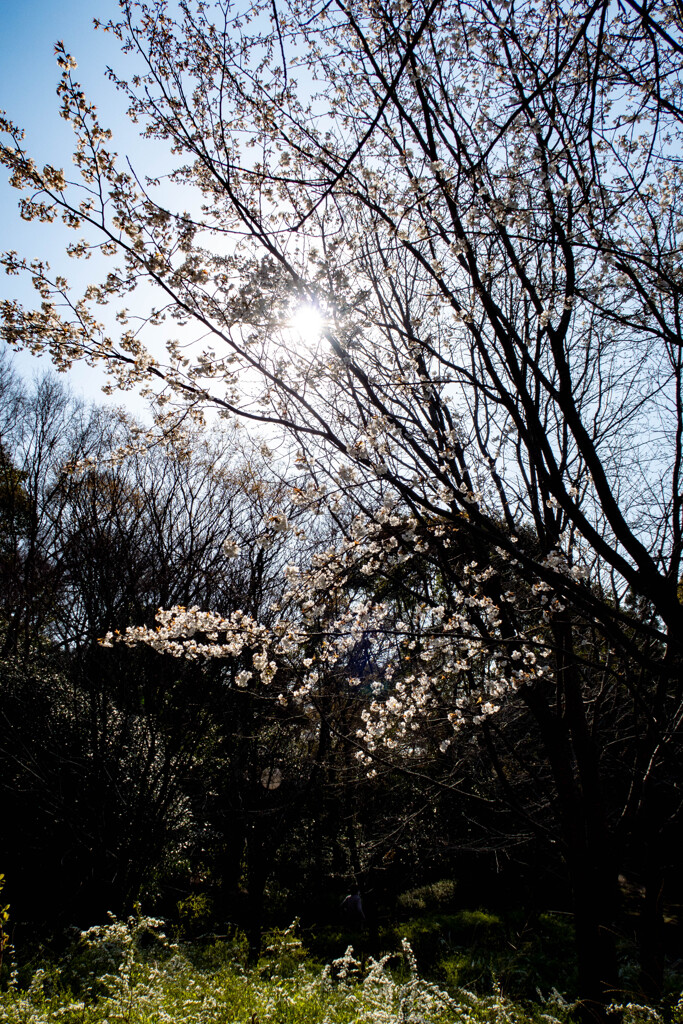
[129,973]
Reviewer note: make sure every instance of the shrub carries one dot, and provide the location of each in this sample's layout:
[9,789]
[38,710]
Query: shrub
[437,896]
[145,980]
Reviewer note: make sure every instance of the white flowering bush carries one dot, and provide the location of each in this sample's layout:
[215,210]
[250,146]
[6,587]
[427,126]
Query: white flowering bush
[126,972]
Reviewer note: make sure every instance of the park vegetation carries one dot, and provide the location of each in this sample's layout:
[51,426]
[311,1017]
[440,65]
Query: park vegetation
[414,607]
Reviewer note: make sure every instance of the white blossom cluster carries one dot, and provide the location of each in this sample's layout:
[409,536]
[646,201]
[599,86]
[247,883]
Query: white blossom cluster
[445,666]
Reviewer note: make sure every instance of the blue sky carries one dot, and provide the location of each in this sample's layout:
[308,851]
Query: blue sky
[29,76]
[28,71]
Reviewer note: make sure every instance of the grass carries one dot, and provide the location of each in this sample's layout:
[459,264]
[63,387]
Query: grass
[128,973]
[473,949]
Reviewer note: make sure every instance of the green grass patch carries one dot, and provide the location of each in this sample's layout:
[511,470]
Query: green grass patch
[486,952]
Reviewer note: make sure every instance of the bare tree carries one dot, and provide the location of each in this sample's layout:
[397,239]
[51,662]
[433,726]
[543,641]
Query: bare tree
[109,756]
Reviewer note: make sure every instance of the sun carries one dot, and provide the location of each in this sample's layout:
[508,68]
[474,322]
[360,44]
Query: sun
[307,324]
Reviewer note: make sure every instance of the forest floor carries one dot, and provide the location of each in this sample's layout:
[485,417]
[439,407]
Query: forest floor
[129,973]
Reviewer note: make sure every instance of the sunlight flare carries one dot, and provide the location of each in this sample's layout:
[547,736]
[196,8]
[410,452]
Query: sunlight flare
[307,324]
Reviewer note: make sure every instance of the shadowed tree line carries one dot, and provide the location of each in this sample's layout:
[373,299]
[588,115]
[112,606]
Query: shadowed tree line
[131,775]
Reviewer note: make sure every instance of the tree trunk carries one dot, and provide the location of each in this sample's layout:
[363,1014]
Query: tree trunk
[257,874]
[594,888]
[229,870]
[589,853]
[651,936]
